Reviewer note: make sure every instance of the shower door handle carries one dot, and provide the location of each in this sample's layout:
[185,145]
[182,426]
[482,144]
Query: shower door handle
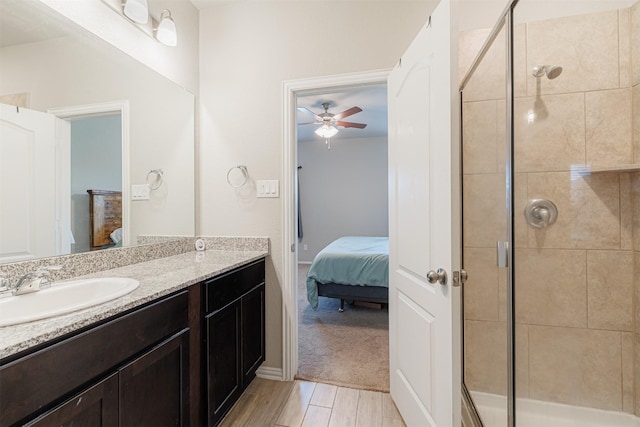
[440,275]
[460,277]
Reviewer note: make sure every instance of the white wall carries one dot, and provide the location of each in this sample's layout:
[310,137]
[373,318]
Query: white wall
[96,156]
[247,49]
[476,14]
[161,117]
[343,191]
[179,63]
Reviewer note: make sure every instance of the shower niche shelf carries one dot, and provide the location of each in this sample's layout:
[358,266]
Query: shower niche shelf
[588,170]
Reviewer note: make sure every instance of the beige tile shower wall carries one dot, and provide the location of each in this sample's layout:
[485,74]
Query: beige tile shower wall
[635,43]
[578,282]
[633,18]
[635,340]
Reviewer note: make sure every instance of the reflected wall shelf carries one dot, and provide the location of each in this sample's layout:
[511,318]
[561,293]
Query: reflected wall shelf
[588,170]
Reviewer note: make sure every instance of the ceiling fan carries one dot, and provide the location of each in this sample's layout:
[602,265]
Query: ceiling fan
[330,122]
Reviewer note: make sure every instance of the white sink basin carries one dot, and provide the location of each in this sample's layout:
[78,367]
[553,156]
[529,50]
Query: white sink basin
[62,298]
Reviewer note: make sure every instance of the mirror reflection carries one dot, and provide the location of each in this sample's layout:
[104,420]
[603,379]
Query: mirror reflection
[82,125]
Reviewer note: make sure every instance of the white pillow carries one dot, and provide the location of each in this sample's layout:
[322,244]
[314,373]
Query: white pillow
[116,235]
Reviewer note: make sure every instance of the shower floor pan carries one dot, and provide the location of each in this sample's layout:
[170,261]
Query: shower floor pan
[536,413]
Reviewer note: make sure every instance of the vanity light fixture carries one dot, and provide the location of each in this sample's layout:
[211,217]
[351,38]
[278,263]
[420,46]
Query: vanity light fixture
[166,30]
[136,10]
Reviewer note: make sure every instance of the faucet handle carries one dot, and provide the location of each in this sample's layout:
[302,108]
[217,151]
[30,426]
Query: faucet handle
[44,272]
[46,269]
[5,282]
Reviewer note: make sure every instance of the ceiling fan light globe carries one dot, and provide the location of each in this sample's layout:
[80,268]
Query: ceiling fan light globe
[326,131]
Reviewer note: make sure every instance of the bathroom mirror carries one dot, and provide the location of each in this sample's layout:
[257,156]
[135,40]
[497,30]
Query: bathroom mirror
[50,65]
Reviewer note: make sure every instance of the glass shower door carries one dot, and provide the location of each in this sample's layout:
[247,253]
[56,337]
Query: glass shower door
[484,224]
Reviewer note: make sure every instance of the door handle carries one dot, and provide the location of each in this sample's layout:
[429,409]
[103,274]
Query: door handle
[440,275]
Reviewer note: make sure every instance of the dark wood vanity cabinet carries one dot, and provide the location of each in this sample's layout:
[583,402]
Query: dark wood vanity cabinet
[131,370]
[182,360]
[235,336]
[149,391]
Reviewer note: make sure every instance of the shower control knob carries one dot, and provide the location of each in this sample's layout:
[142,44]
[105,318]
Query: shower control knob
[540,213]
[440,275]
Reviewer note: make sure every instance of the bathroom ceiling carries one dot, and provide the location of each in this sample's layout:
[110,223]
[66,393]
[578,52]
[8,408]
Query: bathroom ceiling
[201,4]
[25,22]
[372,100]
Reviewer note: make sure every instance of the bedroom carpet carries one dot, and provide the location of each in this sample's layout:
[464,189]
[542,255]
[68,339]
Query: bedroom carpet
[349,349]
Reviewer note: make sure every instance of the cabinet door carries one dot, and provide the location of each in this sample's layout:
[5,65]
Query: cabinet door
[252,333]
[94,407]
[154,388]
[223,361]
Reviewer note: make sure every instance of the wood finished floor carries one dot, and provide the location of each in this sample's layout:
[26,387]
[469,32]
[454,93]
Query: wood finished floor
[308,404]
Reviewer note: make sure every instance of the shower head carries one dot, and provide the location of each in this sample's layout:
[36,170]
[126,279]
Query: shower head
[551,71]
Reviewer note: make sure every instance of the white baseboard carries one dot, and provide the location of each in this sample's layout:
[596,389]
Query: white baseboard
[270,373]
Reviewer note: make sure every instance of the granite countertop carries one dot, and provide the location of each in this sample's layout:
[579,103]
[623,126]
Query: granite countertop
[157,278]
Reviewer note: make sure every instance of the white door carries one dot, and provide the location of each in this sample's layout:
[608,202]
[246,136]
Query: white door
[34,214]
[424,326]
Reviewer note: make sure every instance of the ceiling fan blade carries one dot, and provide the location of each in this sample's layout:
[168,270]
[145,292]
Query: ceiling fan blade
[306,110]
[351,125]
[347,113]
[309,123]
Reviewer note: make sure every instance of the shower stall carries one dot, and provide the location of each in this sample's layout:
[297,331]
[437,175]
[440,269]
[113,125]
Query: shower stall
[551,216]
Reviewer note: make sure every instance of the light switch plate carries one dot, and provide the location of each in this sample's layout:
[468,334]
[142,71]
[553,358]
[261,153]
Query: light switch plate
[140,192]
[268,188]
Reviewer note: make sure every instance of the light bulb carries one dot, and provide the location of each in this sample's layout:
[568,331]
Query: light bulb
[326,131]
[137,11]
[166,32]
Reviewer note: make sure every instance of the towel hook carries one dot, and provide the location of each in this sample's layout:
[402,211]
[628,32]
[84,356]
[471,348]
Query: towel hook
[154,179]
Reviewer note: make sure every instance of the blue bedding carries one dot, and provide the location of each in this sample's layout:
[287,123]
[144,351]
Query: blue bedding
[352,260]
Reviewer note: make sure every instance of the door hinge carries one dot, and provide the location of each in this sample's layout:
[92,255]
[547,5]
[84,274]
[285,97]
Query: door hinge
[293,247]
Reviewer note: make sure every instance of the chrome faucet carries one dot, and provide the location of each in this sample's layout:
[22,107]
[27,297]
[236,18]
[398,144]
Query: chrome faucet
[34,281]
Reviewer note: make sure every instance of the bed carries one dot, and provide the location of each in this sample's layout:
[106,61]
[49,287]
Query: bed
[105,218]
[351,268]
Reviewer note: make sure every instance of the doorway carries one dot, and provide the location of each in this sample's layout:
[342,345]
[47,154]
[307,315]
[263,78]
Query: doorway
[96,152]
[112,115]
[291,91]
[343,194]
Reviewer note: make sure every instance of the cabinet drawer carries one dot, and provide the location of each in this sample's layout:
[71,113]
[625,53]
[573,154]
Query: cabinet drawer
[73,362]
[224,289]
